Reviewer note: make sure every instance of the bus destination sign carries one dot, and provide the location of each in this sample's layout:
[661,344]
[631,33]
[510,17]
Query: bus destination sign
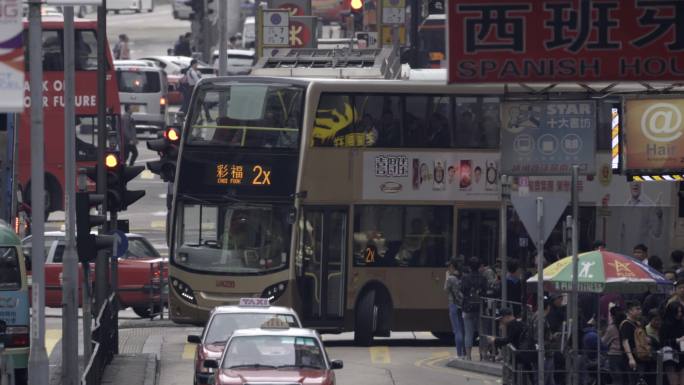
[239,174]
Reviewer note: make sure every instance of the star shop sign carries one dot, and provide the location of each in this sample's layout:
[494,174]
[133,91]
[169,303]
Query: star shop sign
[572,40]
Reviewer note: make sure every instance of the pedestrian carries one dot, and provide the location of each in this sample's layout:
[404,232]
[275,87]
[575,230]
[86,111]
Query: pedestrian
[671,335]
[611,338]
[131,140]
[514,286]
[518,336]
[453,289]
[640,253]
[599,245]
[232,42]
[677,257]
[551,340]
[121,50]
[630,332]
[474,287]
[556,316]
[182,46]
[678,295]
[188,82]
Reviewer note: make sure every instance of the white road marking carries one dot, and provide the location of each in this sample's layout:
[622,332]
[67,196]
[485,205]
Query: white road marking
[146,174]
[159,213]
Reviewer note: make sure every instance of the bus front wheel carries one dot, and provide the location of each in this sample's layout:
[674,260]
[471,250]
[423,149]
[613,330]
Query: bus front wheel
[366,319]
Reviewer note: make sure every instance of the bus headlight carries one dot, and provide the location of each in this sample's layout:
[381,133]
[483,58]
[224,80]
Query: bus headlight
[274,292]
[183,290]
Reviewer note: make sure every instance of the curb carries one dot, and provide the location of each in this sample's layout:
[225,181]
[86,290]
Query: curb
[138,324]
[152,370]
[482,367]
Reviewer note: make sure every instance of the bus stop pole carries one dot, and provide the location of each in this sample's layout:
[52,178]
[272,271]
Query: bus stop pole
[575,269]
[70,264]
[223,44]
[540,292]
[38,359]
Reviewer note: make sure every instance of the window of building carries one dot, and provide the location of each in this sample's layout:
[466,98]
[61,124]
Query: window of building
[415,236]
[477,122]
[85,42]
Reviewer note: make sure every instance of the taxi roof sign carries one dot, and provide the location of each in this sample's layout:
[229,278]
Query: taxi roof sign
[255,302]
[275,323]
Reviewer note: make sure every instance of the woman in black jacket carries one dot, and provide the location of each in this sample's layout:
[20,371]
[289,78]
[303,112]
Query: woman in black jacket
[671,333]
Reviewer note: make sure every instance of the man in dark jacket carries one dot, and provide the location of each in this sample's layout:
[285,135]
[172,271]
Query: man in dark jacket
[474,287]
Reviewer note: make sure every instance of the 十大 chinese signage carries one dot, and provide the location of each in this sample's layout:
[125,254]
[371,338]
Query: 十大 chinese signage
[654,135]
[571,40]
[447,176]
[548,138]
[11,57]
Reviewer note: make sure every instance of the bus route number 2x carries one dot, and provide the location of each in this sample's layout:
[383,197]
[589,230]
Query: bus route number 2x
[262,177]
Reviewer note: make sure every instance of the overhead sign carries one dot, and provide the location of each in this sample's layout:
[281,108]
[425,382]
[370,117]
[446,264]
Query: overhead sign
[548,138]
[526,207]
[654,135]
[296,7]
[303,31]
[11,57]
[573,40]
[393,16]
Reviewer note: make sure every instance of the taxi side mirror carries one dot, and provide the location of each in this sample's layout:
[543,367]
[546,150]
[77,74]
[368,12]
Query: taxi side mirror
[193,339]
[211,364]
[336,364]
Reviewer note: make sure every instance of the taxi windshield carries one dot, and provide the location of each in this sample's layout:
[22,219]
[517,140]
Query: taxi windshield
[10,274]
[222,326]
[279,352]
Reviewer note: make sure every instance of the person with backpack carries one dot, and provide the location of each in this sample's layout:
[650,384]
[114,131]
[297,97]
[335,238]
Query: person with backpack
[671,335]
[611,338]
[473,287]
[635,343]
[191,77]
[121,50]
[453,289]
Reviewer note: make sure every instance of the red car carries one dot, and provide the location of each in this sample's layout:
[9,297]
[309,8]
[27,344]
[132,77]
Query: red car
[274,355]
[224,320]
[139,278]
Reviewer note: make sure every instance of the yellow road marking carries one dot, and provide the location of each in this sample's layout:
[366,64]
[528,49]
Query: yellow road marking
[189,351]
[380,355]
[158,224]
[146,174]
[52,337]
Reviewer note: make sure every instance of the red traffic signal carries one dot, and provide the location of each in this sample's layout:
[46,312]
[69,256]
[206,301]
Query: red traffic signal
[356,5]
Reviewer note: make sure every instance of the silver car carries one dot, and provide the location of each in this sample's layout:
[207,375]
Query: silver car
[143,89]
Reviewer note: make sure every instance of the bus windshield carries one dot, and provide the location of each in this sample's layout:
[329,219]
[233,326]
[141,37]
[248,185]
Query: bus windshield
[247,115]
[234,238]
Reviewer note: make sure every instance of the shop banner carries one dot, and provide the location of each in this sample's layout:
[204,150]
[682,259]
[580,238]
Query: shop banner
[11,57]
[564,41]
[654,136]
[548,138]
[441,176]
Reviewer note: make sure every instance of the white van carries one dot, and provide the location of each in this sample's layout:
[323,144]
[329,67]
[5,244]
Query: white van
[130,5]
[143,87]
[181,10]
[249,33]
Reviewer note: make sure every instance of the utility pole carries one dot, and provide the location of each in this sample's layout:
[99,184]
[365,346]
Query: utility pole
[575,277]
[70,371]
[38,359]
[101,261]
[223,44]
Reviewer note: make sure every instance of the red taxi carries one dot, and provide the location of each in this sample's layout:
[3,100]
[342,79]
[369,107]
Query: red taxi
[224,320]
[274,355]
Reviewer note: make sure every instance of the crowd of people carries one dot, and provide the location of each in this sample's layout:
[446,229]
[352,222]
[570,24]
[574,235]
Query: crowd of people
[622,337]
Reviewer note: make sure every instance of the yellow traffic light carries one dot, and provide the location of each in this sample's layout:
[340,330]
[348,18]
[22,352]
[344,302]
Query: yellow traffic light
[172,134]
[111,161]
[356,5]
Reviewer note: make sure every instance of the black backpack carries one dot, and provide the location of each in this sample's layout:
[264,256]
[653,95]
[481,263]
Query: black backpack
[474,286]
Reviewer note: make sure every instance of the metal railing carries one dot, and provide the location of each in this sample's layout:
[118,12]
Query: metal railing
[489,326]
[520,368]
[103,343]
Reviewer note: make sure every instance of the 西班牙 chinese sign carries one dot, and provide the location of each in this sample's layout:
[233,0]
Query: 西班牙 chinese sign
[572,40]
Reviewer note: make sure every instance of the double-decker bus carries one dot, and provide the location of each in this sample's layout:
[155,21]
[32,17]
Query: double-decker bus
[345,198]
[53,107]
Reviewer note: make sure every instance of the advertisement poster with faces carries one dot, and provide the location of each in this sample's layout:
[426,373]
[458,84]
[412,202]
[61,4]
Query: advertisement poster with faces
[448,176]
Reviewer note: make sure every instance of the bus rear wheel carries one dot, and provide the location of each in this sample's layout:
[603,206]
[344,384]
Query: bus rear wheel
[366,319]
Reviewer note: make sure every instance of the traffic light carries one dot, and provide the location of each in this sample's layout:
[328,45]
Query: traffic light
[356,6]
[197,8]
[118,175]
[167,148]
[87,244]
